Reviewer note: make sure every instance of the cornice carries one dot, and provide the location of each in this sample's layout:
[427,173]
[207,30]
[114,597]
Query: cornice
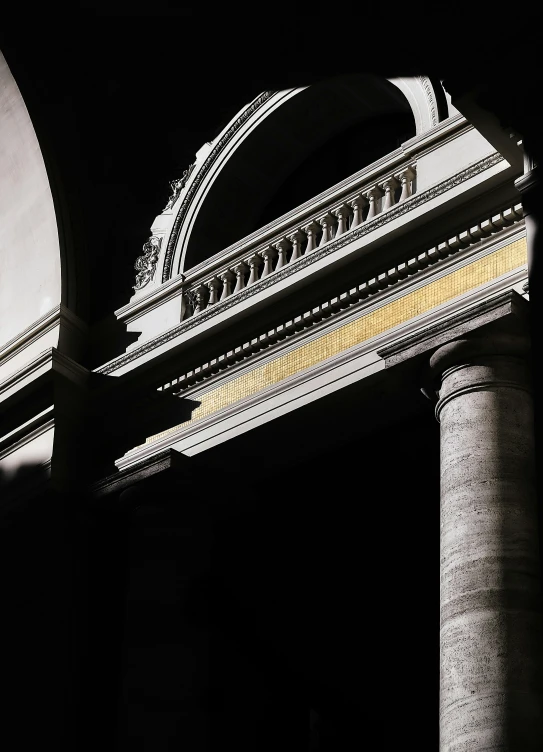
[482,313]
[152,299]
[23,434]
[58,315]
[145,468]
[529,181]
[48,360]
[441,133]
[305,262]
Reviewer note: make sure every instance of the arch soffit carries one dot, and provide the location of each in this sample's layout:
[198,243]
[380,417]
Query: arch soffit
[418,92]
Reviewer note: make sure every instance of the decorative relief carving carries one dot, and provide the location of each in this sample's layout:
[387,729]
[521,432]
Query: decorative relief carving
[202,172]
[146,265]
[177,186]
[262,284]
[430,95]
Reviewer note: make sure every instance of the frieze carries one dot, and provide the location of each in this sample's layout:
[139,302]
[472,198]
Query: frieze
[202,172]
[398,210]
[146,264]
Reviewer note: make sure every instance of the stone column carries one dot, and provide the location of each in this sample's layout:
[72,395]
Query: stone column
[490,624]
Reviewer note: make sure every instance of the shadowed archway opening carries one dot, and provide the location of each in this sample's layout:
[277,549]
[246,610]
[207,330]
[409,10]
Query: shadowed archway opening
[315,139]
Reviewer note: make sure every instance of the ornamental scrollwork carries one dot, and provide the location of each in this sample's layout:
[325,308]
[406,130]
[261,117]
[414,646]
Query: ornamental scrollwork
[146,264]
[177,186]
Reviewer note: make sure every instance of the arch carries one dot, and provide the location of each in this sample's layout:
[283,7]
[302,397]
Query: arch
[422,99]
[30,258]
[271,110]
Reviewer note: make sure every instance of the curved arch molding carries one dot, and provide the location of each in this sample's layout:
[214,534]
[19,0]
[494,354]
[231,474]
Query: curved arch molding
[418,91]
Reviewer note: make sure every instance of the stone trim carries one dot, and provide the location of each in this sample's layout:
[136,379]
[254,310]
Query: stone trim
[27,432]
[48,360]
[58,315]
[145,468]
[503,304]
[306,261]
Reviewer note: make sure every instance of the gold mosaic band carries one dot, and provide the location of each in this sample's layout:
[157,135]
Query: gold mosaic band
[378,321]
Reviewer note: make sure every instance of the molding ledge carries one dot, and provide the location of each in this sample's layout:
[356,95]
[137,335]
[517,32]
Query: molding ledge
[529,181]
[507,304]
[58,315]
[167,460]
[48,361]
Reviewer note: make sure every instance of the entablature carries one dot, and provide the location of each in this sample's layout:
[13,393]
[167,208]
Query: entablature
[344,339]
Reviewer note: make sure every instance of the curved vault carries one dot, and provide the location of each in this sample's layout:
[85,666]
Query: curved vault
[276,141]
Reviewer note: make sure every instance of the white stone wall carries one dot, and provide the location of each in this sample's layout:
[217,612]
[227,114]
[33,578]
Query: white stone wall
[29,247]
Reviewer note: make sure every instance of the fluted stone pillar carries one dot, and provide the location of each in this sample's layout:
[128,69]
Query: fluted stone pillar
[490,620]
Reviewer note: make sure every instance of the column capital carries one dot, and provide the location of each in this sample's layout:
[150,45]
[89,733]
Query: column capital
[506,311]
[480,362]
[476,346]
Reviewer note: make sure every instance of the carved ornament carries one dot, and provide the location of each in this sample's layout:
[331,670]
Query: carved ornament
[146,264]
[177,186]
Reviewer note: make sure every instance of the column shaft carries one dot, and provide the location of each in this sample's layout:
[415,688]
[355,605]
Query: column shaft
[490,623]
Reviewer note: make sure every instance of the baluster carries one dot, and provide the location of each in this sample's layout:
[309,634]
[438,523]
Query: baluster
[327,223]
[406,177]
[254,265]
[213,285]
[240,271]
[389,187]
[227,278]
[342,213]
[186,306]
[281,247]
[311,231]
[268,254]
[372,196]
[357,204]
[296,240]
[200,297]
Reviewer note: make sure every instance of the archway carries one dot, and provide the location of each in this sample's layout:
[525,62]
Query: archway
[330,129]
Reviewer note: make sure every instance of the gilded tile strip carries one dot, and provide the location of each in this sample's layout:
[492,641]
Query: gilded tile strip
[369,325]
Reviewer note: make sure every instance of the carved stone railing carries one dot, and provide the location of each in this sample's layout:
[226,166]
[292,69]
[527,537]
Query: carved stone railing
[310,230]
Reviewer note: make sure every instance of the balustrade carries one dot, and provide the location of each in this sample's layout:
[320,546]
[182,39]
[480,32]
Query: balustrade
[309,235]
